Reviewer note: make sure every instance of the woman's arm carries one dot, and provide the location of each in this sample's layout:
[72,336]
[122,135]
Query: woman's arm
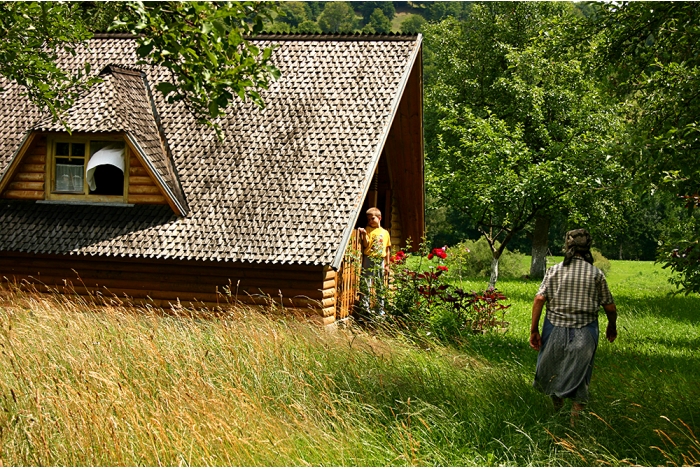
[535,338]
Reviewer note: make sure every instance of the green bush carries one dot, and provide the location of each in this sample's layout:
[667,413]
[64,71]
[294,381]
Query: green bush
[600,261]
[472,259]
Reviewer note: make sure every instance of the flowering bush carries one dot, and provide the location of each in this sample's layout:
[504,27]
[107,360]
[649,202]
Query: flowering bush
[423,298]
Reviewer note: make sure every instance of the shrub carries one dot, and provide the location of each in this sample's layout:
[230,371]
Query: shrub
[600,261]
[470,259]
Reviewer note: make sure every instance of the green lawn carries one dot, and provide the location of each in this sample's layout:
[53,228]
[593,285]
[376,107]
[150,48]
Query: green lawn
[81,385]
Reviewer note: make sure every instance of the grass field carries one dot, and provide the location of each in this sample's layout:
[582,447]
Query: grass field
[88,386]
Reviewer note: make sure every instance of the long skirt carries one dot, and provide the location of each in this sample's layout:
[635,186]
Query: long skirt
[565,360]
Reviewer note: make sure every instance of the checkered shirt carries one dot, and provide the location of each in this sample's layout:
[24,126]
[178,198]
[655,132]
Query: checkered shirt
[574,293]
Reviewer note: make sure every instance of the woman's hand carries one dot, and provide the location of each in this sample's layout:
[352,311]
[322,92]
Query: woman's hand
[535,340]
[611,331]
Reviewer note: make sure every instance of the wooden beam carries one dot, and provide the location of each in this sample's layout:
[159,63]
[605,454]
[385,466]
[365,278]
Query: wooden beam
[27,185]
[151,189]
[11,194]
[138,171]
[146,199]
[32,168]
[140,180]
[29,177]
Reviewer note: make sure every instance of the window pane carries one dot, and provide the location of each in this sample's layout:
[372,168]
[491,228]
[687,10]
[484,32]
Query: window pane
[96,145]
[63,148]
[78,150]
[69,176]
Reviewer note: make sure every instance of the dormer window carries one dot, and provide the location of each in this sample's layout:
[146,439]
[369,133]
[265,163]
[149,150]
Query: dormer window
[87,169]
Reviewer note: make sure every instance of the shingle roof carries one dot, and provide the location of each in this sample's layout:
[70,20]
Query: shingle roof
[281,188]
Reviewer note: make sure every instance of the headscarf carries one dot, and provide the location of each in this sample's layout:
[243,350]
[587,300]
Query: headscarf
[579,242]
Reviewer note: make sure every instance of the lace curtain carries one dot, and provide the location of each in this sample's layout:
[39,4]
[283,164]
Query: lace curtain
[69,178]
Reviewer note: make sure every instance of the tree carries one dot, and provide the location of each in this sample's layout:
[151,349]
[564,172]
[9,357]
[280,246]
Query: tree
[293,13]
[32,33]
[516,128]
[378,23]
[309,27]
[366,9]
[337,17]
[203,44]
[650,61]
[438,11]
[314,9]
[413,24]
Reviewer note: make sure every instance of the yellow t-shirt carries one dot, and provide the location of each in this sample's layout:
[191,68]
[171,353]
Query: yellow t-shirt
[379,240]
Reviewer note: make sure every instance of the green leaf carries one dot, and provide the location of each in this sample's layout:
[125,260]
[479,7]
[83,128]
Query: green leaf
[166,88]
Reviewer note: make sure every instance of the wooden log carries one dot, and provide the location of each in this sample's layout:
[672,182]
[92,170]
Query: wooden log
[138,171]
[140,181]
[111,277]
[32,168]
[230,270]
[218,277]
[29,177]
[183,290]
[146,199]
[134,189]
[27,185]
[134,162]
[37,156]
[12,194]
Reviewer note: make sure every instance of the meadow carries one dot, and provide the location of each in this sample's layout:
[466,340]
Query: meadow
[82,385]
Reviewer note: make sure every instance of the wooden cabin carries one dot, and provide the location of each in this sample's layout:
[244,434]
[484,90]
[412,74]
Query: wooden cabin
[140,201]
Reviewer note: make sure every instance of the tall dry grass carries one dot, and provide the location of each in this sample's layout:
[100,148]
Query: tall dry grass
[111,385]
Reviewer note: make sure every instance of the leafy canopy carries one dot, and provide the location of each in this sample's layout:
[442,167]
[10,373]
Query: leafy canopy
[32,34]
[516,127]
[650,61]
[203,44]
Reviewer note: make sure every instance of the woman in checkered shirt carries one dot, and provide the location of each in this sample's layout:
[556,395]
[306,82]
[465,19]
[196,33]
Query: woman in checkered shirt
[573,290]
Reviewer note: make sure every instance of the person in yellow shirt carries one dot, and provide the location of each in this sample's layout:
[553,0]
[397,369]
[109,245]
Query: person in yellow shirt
[376,251]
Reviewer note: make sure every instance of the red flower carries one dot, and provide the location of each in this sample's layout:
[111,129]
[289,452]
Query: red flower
[399,257]
[439,252]
[442,268]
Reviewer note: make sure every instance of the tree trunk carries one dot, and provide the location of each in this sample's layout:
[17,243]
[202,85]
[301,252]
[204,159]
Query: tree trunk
[540,240]
[494,272]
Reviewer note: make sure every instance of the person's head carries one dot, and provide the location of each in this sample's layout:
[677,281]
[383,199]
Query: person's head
[577,242]
[374,217]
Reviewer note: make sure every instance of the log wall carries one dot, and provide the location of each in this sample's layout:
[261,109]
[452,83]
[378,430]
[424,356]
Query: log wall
[397,240]
[310,290]
[28,179]
[142,189]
